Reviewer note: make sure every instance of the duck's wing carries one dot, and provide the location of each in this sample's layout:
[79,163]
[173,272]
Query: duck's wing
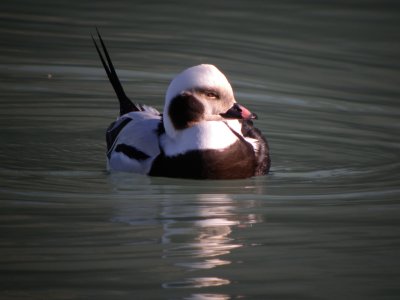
[133,142]
[125,104]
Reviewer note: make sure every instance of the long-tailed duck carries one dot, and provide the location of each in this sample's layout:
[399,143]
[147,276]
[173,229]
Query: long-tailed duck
[202,133]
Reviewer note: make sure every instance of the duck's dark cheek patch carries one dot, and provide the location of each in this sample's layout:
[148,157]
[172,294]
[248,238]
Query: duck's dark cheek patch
[185,109]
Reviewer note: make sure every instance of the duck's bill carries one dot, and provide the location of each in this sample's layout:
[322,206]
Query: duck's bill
[238,111]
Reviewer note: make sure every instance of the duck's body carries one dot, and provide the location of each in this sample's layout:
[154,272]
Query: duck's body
[203,133]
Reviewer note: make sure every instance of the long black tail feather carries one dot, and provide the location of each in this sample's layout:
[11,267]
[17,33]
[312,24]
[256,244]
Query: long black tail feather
[125,104]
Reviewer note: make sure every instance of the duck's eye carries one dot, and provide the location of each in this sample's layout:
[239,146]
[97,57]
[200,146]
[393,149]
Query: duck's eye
[211,94]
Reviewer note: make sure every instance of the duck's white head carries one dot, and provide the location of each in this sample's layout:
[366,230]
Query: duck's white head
[200,93]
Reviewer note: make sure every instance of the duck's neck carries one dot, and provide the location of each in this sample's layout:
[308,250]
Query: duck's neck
[215,135]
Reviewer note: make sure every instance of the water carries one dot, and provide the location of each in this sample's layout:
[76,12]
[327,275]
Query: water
[322,76]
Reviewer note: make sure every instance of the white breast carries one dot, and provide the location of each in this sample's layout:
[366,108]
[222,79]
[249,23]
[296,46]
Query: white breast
[214,135]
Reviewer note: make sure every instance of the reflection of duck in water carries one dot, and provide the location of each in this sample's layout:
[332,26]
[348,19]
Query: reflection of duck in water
[197,235]
[195,232]
[203,132]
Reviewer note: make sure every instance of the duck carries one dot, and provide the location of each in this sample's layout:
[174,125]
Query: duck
[202,132]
